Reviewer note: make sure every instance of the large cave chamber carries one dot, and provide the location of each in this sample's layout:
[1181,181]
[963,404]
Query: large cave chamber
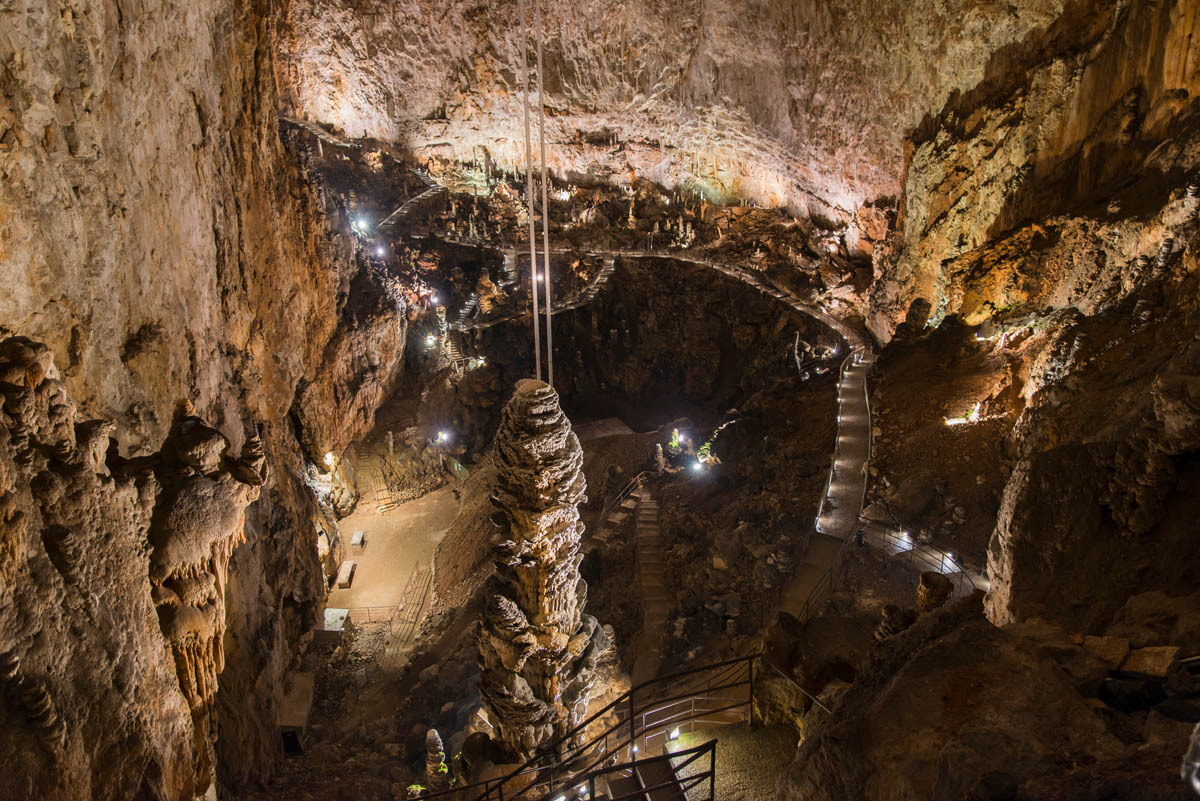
[610,401]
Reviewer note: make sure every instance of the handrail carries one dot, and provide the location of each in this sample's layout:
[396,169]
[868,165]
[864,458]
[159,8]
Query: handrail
[622,495]
[796,684]
[375,614]
[626,728]
[927,555]
[692,755]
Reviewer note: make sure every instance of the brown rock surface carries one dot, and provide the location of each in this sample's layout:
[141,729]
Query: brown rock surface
[537,649]
[796,104]
[155,234]
[951,708]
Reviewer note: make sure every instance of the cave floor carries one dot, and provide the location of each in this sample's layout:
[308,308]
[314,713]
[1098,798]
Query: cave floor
[396,541]
[748,761]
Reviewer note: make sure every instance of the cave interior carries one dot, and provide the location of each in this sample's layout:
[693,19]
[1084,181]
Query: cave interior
[600,400]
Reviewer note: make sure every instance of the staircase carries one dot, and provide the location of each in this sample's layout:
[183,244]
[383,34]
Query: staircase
[593,289]
[454,348]
[417,203]
[508,272]
[631,749]
[651,565]
[463,315]
[653,779]
[812,573]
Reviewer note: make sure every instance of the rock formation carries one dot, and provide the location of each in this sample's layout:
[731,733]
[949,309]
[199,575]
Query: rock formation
[437,774]
[198,521]
[82,662]
[537,650]
[932,592]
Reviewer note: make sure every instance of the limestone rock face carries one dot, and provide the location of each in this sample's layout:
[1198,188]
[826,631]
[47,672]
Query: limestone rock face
[802,104]
[537,648]
[157,236]
[92,706]
[952,708]
[198,520]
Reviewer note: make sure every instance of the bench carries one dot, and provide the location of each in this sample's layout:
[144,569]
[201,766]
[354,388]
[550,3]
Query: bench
[345,574]
[358,540]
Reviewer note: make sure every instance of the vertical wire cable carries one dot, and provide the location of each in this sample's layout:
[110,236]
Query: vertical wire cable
[533,289]
[537,5]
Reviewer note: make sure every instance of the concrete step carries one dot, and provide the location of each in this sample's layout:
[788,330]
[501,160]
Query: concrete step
[629,503]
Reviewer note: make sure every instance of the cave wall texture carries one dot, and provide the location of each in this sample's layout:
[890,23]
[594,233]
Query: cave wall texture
[157,236]
[787,102]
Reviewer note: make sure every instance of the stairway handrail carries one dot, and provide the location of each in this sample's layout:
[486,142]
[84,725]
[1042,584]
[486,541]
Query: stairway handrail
[693,754]
[536,763]
[607,509]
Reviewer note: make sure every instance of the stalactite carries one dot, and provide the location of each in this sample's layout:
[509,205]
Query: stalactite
[197,524]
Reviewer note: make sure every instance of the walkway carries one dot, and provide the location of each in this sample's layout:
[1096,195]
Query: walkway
[652,589]
[845,490]
[395,543]
[841,508]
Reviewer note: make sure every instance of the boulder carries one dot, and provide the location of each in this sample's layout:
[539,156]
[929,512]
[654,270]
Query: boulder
[1152,663]
[952,708]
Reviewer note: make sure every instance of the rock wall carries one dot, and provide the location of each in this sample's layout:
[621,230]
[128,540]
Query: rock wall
[801,104]
[1055,197]
[955,708]
[155,233]
[105,696]
[1019,190]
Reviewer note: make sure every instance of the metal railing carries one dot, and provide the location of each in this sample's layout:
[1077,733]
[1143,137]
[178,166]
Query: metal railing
[371,614]
[403,619]
[620,497]
[895,543]
[824,586]
[675,762]
[643,717]
[853,358]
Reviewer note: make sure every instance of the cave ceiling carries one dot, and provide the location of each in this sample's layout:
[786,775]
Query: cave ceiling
[799,104]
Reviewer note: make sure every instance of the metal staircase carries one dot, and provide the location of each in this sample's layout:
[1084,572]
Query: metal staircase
[623,750]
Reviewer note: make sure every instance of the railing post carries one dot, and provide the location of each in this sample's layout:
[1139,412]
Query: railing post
[632,731]
[753,659]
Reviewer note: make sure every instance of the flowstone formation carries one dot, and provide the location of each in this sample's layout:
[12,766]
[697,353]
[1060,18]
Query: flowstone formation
[537,650]
[197,523]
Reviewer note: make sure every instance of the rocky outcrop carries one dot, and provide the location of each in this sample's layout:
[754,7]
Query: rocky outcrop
[955,708]
[1019,191]
[92,705]
[537,649]
[199,518]
[1051,202]
[158,237]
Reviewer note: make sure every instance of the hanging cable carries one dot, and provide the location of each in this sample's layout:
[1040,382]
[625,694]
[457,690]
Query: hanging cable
[533,288]
[537,5]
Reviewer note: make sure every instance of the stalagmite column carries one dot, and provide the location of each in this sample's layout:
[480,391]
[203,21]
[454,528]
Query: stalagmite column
[933,592]
[537,649]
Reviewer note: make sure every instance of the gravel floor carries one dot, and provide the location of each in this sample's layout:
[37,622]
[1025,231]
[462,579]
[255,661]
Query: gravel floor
[749,761]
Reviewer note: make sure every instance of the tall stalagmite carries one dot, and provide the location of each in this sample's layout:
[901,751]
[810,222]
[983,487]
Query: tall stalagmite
[537,649]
